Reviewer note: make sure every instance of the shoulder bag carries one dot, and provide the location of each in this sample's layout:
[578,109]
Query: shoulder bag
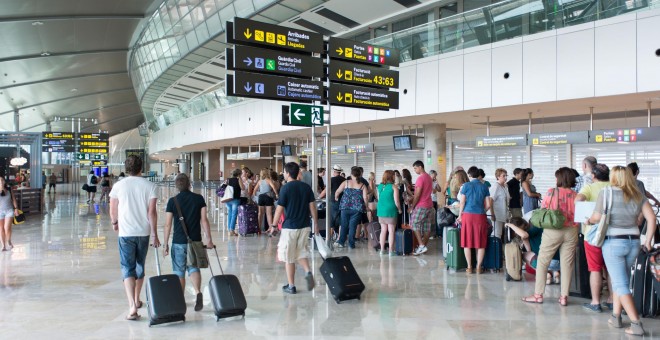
[197,256]
[596,235]
[228,195]
[20,218]
[548,218]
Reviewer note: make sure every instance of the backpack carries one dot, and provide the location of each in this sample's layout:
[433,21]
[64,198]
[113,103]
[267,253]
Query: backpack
[94,180]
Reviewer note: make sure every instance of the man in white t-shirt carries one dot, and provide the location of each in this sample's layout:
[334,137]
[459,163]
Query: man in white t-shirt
[133,214]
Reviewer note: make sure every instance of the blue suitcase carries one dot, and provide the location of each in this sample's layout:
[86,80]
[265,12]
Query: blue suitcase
[493,257]
[403,241]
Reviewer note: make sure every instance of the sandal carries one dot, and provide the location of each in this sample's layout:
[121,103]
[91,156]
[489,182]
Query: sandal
[556,280]
[563,300]
[468,270]
[615,321]
[548,279]
[635,328]
[133,317]
[536,298]
[138,305]
[480,270]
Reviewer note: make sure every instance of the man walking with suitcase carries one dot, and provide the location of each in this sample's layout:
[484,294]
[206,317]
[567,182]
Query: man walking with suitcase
[298,203]
[133,214]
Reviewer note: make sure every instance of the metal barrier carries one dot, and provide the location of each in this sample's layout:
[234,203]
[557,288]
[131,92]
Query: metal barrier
[216,211]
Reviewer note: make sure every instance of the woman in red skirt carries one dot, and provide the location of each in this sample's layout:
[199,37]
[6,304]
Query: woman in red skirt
[475,201]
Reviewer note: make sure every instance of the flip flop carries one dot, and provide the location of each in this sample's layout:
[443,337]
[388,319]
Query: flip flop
[133,317]
[138,305]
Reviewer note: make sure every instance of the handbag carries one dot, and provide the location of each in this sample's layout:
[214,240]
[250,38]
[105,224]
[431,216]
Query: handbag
[228,194]
[221,189]
[548,218]
[596,235]
[197,256]
[20,218]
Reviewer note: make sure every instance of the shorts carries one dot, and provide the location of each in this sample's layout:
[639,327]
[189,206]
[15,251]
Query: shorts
[595,261]
[421,219]
[293,244]
[91,188]
[132,253]
[6,214]
[51,185]
[265,201]
[179,254]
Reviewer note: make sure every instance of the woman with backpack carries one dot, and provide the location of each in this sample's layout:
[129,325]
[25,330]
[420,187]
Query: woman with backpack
[92,181]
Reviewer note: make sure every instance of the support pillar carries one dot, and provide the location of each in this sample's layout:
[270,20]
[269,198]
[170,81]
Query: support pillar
[435,149]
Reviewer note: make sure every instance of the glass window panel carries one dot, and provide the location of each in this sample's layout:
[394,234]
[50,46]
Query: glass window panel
[174,11]
[381,31]
[243,8]
[259,4]
[214,25]
[186,23]
[164,17]
[191,38]
[422,19]
[202,32]
[209,7]
[363,37]
[183,46]
[402,25]
[222,3]
[227,14]
[183,7]
[197,15]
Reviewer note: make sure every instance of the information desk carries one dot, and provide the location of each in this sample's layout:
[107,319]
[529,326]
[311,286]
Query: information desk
[28,200]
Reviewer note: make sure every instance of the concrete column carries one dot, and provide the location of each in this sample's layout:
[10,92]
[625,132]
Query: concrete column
[213,162]
[196,161]
[435,149]
[223,165]
[16,121]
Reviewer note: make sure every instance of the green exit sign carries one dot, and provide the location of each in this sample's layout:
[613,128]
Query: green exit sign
[86,156]
[306,115]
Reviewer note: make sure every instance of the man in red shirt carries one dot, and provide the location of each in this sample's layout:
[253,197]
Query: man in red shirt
[421,217]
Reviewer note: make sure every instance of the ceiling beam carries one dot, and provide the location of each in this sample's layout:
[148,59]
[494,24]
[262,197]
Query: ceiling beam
[84,112]
[75,17]
[60,54]
[65,78]
[67,98]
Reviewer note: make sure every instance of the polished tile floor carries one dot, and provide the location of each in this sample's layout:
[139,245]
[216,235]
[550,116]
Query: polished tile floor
[62,280]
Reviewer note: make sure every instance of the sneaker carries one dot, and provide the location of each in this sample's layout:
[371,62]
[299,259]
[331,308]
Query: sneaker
[289,289]
[382,253]
[199,302]
[423,249]
[338,245]
[392,253]
[593,308]
[309,278]
[608,305]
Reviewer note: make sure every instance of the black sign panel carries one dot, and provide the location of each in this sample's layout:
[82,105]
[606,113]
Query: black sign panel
[258,33]
[58,148]
[88,149]
[275,62]
[363,97]
[58,135]
[559,138]
[363,53]
[630,135]
[352,73]
[253,85]
[496,141]
[49,142]
[93,136]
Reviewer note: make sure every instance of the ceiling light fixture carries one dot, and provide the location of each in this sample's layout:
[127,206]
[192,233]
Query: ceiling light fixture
[74,90]
[37,23]
[45,54]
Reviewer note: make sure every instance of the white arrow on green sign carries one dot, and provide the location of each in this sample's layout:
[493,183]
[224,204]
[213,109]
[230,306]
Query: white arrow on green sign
[306,115]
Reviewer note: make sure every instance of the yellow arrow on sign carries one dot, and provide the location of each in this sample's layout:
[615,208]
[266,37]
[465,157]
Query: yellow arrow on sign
[247,33]
[339,97]
[340,51]
[339,74]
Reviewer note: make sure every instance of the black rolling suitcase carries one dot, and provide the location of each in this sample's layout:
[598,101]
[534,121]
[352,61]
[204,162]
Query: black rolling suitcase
[165,297]
[643,291]
[580,279]
[226,293]
[342,279]
[403,241]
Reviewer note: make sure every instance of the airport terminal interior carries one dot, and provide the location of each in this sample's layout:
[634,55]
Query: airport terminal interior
[209,87]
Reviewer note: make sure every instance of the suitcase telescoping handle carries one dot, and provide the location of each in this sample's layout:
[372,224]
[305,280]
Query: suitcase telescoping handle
[218,258]
[157,261]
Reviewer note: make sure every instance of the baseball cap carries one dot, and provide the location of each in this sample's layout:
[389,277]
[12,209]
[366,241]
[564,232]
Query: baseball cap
[337,167]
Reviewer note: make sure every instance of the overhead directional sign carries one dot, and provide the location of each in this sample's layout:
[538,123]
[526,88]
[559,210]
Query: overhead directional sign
[364,53]
[306,115]
[352,73]
[253,85]
[497,141]
[353,96]
[558,138]
[258,33]
[276,62]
